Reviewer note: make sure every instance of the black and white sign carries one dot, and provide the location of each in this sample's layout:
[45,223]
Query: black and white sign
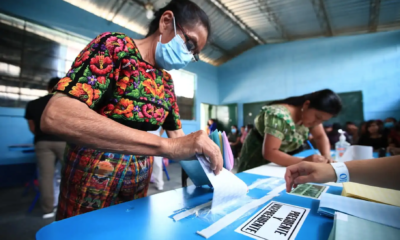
[276,221]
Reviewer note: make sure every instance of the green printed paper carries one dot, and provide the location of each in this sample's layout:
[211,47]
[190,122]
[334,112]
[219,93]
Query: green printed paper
[309,190]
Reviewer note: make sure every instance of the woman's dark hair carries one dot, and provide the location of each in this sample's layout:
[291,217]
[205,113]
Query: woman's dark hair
[186,13]
[249,126]
[368,124]
[336,127]
[391,118]
[324,100]
[234,126]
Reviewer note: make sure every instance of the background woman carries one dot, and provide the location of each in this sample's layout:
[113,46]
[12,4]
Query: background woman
[373,136]
[283,126]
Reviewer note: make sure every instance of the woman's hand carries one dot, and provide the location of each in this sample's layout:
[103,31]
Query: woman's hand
[330,159]
[305,172]
[186,147]
[316,158]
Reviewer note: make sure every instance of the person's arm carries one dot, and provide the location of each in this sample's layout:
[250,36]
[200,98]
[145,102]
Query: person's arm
[175,133]
[272,153]
[237,141]
[385,172]
[322,141]
[83,126]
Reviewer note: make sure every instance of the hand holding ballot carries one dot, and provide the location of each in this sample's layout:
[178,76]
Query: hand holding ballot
[380,172]
[196,143]
[305,172]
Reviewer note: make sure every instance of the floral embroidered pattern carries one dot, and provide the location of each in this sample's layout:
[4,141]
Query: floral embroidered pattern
[110,76]
[135,91]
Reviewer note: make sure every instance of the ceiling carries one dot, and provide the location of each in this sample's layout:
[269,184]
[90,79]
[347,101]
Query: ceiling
[238,25]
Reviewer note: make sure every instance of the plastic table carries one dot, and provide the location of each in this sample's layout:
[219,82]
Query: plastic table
[150,217]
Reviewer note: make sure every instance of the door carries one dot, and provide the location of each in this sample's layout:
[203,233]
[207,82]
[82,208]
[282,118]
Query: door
[226,117]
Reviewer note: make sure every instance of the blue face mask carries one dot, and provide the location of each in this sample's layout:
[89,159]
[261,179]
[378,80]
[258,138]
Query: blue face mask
[173,54]
[233,130]
[388,124]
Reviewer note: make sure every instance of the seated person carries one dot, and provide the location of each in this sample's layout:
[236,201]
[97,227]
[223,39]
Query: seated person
[394,136]
[234,140]
[373,136]
[352,131]
[243,134]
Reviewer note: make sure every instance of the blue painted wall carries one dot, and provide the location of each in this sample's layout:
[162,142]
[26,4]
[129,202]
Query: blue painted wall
[370,63]
[14,130]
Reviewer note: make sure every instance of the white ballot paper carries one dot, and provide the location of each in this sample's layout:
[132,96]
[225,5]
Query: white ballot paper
[227,187]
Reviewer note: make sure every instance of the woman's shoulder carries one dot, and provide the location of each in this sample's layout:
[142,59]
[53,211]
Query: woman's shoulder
[278,112]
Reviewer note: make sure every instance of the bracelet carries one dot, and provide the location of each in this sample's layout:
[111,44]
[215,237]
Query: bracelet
[342,173]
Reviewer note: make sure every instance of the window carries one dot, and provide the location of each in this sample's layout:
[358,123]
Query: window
[184,83]
[30,55]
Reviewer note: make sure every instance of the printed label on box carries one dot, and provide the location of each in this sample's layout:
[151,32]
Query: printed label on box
[276,221]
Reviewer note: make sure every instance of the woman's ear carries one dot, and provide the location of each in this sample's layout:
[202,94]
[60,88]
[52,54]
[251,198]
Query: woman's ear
[166,22]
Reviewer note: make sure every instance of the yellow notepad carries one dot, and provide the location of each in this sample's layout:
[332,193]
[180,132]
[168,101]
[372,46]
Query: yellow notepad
[370,193]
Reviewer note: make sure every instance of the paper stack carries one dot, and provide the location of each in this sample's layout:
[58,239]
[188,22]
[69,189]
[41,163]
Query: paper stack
[370,193]
[376,212]
[354,228]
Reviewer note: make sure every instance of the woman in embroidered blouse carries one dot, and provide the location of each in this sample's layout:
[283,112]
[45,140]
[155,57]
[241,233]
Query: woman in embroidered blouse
[116,90]
[283,126]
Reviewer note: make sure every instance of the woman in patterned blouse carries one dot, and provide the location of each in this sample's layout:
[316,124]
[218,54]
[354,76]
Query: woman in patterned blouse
[283,126]
[116,90]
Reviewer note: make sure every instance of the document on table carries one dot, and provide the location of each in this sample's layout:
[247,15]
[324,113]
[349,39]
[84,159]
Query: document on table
[353,228]
[227,187]
[376,212]
[370,193]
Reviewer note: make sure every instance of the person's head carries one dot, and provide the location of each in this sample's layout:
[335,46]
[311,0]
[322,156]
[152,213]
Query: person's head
[182,29]
[210,122]
[349,124]
[243,129]
[372,127]
[336,127]
[390,122]
[397,127]
[328,127]
[52,82]
[234,129]
[249,127]
[316,107]
[363,128]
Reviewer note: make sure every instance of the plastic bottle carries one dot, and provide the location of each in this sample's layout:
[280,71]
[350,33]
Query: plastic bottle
[341,146]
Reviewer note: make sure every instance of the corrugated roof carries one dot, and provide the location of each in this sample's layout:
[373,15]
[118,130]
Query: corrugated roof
[242,24]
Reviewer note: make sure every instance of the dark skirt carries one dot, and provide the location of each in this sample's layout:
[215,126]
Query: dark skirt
[251,154]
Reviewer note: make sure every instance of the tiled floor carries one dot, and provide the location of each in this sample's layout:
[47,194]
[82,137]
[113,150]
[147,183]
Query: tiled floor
[17,224]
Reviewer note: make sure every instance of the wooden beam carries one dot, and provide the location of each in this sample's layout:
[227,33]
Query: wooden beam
[322,16]
[237,21]
[374,10]
[264,7]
